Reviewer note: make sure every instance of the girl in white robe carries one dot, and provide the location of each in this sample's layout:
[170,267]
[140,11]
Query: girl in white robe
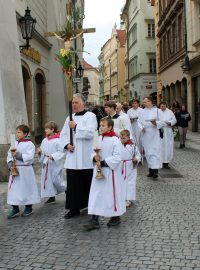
[107,195]
[52,182]
[131,157]
[22,188]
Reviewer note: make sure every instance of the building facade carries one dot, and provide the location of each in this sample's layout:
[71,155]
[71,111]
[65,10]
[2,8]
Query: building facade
[32,87]
[193,50]
[172,83]
[141,48]
[178,54]
[101,78]
[91,83]
[112,67]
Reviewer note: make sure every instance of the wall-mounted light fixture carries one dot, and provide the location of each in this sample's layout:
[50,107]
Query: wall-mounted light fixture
[27,25]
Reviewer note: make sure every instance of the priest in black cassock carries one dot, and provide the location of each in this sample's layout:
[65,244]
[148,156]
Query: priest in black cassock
[78,162]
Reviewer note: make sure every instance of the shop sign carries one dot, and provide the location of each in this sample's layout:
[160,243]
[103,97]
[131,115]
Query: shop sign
[32,54]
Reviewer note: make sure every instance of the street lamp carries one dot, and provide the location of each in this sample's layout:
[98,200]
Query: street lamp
[110,78]
[79,71]
[27,25]
[186,67]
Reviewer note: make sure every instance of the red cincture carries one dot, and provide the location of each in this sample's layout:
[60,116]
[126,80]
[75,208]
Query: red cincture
[124,168]
[46,173]
[114,191]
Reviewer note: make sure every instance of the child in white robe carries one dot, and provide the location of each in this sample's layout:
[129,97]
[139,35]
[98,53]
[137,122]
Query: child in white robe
[22,188]
[131,157]
[107,196]
[52,182]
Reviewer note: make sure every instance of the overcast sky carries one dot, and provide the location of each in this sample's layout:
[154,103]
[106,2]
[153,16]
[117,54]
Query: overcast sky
[102,15]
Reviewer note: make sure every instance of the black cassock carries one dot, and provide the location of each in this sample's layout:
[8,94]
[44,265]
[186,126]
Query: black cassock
[78,188]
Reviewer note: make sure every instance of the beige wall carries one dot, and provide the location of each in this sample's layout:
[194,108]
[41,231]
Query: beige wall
[93,77]
[114,67]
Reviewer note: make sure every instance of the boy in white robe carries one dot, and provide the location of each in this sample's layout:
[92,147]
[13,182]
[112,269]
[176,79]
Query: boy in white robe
[107,196]
[131,157]
[52,182]
[22,188]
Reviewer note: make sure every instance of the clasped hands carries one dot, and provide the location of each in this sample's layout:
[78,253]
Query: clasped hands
[39,152]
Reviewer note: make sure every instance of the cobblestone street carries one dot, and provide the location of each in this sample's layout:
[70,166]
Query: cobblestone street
[160,232]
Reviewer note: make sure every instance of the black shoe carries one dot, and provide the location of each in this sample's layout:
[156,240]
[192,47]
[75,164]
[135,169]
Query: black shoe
[51,200]
[72,213]
[166,166]
[92,225]
[155,173]
[150,174]
[181,146]
[114,221]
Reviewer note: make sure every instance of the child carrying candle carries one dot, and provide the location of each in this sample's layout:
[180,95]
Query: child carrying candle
[107,197]
[22,187]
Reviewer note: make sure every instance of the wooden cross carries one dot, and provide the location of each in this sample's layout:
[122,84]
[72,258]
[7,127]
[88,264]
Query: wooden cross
[67,38]
[72,33]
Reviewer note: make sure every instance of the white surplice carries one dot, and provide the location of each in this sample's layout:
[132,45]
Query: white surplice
[167,116]
[107,196]
[129,170]
[86,125]
[121,123]
[151,140]
[22,189]
[52,182]
[134,115]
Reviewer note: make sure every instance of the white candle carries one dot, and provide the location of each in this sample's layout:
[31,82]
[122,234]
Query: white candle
[96,140]
[12,141]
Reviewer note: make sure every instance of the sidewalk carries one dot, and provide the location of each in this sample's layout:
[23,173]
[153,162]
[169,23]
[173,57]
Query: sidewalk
[161,232]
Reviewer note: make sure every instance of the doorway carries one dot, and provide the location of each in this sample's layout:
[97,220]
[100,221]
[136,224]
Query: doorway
[197,102]
[39,106]
[27,93]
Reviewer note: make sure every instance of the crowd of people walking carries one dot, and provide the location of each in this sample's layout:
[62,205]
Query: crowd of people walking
[101,176]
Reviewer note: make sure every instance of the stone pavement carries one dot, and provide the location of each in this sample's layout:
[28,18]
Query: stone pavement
[160,232]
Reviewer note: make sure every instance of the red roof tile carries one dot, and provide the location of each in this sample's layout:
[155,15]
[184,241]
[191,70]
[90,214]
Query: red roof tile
[121,35]
[86,65]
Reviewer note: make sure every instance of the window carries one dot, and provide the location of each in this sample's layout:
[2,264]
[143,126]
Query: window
[174,38]
[133,70]
[151,30]
[180,32]
[152,65]
[133,35]
[199,21]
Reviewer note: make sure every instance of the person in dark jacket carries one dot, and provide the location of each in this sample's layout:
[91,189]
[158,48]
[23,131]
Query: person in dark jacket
[182,117]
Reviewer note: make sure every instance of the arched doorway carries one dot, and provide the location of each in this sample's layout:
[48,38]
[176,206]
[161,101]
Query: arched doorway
[39,105]
[27,92]
[154,96]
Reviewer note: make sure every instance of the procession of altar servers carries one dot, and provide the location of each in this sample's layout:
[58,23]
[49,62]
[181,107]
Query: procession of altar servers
[52,179]
[119,177]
